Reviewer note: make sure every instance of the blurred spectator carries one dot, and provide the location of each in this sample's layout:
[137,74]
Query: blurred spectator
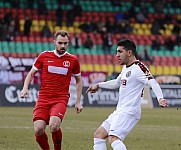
[177,26]
[88,43]
[7,18]
[69,17]
[178,39]
[30,4]
[46,31]
[156,44]
[3,30]
[17,25]
[59,15]
[42,8]
[158,6]
[145,56]
[169,44]
[76,41]
[107,42]
[11,31]
[140,17]
[27,25]
[77,9]
[15,3]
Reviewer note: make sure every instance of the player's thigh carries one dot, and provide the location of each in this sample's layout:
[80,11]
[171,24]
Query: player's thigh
[122,125]
[58,109]
[41,112]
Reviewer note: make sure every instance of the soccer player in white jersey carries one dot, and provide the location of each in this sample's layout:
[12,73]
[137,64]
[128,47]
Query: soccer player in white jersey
[57,67]
[131,81]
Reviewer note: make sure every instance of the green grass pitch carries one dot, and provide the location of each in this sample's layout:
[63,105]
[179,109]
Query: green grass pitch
[158,129]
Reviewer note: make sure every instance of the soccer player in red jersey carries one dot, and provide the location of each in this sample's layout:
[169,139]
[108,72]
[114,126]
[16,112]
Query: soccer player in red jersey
[57,67]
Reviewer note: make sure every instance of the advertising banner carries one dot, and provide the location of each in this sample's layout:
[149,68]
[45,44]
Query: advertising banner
[170,92]
[10,96]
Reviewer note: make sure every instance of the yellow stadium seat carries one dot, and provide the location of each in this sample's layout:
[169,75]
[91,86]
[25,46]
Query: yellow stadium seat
[110,68]
[140,31]
[56,28]
[76,24]
[147,32]
[36,28]
[42,23]
[168,32]
[144,26]
[83,67]
[97,67]
[64,28]
[90,67]
[104,68]
[137,26]
[170,26]
[21,22]
[179,70]
[166,70]
[152,69]
[50,23]
[35,23]
[117,68]
[70,29]
[173,70]
[159,70]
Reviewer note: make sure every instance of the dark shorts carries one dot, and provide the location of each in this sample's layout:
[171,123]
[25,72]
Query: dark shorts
[44,110]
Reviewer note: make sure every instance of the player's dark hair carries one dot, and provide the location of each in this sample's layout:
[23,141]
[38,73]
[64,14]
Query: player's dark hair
[62,33]
[128,45]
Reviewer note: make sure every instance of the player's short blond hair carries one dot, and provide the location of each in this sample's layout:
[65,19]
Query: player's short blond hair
[62,33]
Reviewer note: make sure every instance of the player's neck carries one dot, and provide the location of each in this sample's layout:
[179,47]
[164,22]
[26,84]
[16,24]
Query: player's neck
[131,61]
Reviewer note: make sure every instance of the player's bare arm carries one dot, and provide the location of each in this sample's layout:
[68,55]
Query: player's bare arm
[78,106]
[29,77]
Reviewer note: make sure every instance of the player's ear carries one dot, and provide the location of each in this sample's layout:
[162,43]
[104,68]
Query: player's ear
[54,41]
[129,52]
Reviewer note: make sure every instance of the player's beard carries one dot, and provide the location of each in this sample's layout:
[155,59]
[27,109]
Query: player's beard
[61,51]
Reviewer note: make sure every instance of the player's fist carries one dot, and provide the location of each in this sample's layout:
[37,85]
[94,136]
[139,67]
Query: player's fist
[24,93]
[163,102]
[93,88]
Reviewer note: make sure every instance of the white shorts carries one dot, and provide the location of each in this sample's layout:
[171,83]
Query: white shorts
[119,124]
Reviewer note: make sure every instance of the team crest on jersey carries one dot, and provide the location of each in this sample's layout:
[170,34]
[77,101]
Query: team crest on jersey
[128,74]
[66,63]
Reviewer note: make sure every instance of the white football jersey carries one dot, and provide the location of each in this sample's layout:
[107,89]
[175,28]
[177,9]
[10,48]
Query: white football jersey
[132,80]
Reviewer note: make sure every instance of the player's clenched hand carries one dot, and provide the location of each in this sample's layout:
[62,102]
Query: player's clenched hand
[78,108]
[93,88]
[163,102]
[24,93]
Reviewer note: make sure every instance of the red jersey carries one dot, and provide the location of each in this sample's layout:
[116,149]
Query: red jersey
[56,73]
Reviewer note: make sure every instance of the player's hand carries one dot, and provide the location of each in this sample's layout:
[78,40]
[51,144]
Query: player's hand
[24,93]
[78,108]
[93,88]
[163,102]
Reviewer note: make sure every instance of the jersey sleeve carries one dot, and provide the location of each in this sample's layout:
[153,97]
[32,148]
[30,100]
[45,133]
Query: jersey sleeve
[143,74]
[76,69]
[39,62]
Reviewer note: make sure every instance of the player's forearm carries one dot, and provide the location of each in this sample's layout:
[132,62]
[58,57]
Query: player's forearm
[112,84]
[156,88]
[79,91]
[28,80]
